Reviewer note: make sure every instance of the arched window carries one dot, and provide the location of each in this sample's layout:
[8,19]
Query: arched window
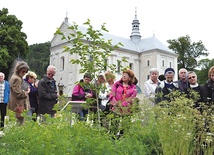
[62,63]
[131,66]
[148,63]
[162,63]
[118,66]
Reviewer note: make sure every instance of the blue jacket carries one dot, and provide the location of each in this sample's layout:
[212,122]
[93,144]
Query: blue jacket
[6,92]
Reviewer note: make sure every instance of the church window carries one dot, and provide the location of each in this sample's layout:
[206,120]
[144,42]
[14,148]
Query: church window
[131,66]
[62,63]
[148,63]
[162,63]
[118,66]
[170,64]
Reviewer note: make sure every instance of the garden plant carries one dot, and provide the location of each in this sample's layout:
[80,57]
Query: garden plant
[169,128]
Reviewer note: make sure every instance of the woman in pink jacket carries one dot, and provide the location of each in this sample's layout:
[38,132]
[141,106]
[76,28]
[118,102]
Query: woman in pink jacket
[123,93]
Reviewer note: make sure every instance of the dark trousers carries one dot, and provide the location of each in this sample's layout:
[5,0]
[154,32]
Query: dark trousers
[3,111]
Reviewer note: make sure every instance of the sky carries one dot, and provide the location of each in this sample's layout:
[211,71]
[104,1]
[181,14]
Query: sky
[166,19]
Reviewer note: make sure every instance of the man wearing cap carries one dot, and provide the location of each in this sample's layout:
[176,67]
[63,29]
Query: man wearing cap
[166,86]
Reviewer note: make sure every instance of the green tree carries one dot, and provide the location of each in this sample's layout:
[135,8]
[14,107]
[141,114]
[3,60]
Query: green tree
[92,50]
[187,51]
[13,42]
[204,65]
[38,58]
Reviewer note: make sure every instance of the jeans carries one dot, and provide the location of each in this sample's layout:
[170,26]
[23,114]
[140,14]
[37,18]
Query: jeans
[82,114]
[31,111]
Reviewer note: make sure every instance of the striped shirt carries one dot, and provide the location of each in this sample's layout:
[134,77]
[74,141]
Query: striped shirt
[2,87]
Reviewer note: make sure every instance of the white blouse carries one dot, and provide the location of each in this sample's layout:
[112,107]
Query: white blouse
[149,88]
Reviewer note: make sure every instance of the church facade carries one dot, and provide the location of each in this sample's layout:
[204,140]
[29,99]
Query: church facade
[141,54]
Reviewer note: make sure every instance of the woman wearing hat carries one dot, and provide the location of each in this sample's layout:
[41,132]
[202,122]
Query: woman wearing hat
[19,91]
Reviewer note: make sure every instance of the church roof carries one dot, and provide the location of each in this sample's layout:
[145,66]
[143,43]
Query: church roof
[142,45]
[134,43]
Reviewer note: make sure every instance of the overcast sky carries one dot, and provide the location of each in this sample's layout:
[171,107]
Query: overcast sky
[167,19]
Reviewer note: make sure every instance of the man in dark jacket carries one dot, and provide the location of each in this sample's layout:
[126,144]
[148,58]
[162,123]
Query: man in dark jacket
[166,86]
[194,86]
[47,92]
[209,87]
[183,81]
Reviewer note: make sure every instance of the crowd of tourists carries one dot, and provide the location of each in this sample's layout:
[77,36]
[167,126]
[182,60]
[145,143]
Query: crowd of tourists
[38,97]
[25,92]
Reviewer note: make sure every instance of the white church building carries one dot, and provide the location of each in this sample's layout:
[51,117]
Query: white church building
[141,54]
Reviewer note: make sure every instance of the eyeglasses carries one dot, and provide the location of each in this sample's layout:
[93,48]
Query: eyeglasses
[23,71]
[192,77]
[50,74]
[125,74]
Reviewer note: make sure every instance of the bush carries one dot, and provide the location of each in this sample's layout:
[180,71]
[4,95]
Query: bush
[168,128]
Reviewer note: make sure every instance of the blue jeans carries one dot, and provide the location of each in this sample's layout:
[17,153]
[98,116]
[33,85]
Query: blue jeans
[82,114]
[31,111]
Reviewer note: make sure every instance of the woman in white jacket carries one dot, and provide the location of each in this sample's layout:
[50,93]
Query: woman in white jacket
[151,84]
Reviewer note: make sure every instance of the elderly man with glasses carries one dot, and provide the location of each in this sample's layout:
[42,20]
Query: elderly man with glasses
[47,92]
[194,86]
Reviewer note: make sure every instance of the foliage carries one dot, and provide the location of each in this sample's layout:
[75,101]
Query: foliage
[92,51]
[187,51]
[91,48]
[13,42]
[168,128]
[174,127]
[204,65]
[38,58]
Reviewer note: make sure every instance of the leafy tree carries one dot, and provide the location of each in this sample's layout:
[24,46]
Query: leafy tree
[187,51]
[38,58]
[204,65]
[92,50]
[13,42]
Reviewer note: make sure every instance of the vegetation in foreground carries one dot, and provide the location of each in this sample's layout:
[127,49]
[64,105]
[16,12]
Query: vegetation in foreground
[171,128]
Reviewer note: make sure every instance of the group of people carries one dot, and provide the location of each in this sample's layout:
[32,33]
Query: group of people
[157,90]
[112,95]
[25,92]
